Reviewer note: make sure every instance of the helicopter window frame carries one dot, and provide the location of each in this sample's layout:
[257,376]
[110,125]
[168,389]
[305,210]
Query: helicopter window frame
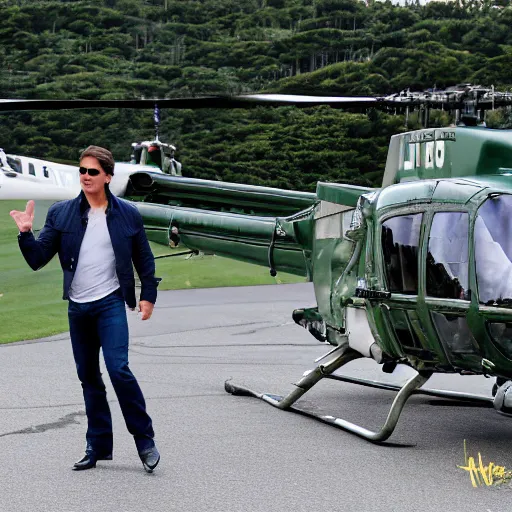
[464,293]
[15,164]
[154,157]
[137,154]
[403,330]
[491,235]
[500,331]
[455,334]
[407,212]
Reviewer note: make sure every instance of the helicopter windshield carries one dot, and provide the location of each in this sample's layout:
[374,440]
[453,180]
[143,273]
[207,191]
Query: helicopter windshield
[493,250]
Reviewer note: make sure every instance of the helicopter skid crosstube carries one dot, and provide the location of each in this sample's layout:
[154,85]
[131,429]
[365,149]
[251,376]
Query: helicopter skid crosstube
[322,371]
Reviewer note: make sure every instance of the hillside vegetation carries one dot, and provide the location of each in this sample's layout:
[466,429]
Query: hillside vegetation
[164,48]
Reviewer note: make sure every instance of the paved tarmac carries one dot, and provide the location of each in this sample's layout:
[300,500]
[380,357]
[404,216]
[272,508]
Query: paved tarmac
[230,454]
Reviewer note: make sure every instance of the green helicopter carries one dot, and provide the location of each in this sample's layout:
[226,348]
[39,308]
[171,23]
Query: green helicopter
[417,272]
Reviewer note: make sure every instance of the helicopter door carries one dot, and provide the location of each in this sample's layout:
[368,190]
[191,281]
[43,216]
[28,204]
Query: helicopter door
[493,264]
[447,291]
[400,243]
[332,252]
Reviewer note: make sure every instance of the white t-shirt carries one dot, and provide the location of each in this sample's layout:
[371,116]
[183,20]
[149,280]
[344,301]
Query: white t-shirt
[95,275]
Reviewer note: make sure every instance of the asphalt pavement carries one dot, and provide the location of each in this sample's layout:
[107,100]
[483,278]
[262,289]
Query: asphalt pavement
[230,454]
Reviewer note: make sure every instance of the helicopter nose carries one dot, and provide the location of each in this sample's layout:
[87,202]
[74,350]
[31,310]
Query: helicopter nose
[503,399]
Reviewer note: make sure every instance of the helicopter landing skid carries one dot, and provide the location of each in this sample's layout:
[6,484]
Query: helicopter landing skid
[484,401]
[338,359]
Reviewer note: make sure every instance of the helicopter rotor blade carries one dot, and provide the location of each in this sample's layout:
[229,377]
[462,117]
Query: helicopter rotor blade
[277,100]
[242,101]
[464,98]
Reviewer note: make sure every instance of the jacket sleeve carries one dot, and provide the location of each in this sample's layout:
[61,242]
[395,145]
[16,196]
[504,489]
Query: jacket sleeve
[144,263]
[38,252]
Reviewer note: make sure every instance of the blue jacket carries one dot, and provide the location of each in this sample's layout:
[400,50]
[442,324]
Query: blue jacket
[64,231]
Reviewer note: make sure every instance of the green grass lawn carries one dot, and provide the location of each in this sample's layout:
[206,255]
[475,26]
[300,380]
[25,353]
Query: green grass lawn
[31,304]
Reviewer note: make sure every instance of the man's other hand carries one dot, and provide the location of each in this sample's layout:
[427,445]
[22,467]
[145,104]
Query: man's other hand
[146,309]
[24,219]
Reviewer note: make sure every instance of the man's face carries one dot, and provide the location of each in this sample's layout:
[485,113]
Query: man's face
[93,184]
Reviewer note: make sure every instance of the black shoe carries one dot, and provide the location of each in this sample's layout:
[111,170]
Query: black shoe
[150,459]
[89,460]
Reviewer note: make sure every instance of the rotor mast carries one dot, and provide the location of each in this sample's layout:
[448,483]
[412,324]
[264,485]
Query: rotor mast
[469,102]
[156,118]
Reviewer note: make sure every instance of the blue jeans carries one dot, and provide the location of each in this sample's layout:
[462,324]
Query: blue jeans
[102,323]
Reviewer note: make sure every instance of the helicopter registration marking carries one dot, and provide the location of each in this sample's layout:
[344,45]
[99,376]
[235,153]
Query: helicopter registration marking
[484,475]
[434,155]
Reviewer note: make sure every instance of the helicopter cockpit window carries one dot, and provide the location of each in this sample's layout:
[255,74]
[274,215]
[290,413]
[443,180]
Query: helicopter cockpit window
[154,156]
[447,257]
[403,329]
[493,251]
[400,240]
[15,164]
[136,155]
[455,333]
[501,333]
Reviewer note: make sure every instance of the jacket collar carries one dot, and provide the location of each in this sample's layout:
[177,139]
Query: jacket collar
[112,205]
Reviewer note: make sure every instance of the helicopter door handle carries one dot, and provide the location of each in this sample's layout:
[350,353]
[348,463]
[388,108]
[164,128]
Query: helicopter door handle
[365,293]
[487,365]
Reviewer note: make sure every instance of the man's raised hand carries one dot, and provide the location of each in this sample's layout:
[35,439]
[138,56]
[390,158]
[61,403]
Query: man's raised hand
[24,219]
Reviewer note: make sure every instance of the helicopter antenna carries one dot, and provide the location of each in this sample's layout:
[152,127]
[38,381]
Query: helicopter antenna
[156,118]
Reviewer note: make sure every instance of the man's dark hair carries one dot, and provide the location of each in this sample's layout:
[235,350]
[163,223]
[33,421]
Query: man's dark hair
[104,157]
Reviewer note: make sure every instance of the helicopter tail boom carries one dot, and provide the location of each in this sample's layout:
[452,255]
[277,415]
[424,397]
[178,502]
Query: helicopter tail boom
[268,241]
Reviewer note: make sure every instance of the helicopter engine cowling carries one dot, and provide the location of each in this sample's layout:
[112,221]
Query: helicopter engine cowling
[217,195]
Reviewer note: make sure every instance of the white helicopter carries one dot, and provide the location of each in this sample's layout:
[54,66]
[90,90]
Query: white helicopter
[23,177]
